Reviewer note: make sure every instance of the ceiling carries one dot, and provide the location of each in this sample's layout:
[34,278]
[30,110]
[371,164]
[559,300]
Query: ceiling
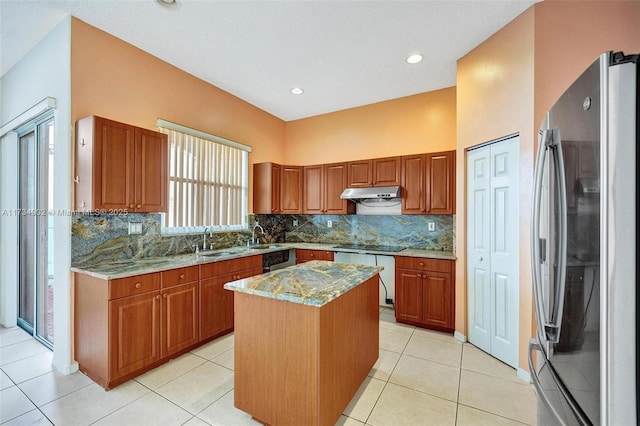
[342,53]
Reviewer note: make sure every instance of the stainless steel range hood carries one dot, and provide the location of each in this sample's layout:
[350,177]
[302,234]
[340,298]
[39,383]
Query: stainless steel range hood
[380,192]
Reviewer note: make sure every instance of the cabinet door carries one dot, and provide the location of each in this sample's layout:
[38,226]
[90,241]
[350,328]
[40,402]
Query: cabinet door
[113,165]
[291,189]
[335,176]
[360,173]
[441,183]
[179,318]
[303,255]
[386,171]
[408,295]
[437,300]
[267,178]
[216,306]
[413,182]
[134,333]
[150,171]
[313,193]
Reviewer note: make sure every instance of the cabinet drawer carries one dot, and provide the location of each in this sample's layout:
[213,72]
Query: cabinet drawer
[129,286]
[179,276]
[226,266]
[302,254]
[424,264]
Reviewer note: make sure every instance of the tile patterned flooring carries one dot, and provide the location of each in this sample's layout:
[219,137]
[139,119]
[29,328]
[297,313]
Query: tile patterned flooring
[422,377]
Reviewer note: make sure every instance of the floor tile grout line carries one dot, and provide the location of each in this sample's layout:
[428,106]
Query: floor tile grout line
[34,404]
[125,405]
[374,405]
[223,395]
[494,414]
[430,360]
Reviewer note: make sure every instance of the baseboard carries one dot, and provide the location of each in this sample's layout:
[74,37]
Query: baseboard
[459,336]
[524,375]
[67,369]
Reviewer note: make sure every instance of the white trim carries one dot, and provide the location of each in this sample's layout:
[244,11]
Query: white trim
[202,135]
[523,374]
[66,369]
[39,108]
[459,336]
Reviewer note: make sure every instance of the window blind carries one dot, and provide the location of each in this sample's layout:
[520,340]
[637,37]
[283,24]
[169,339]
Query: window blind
[208,184]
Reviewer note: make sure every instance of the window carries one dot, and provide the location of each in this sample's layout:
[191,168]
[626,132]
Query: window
[208,181]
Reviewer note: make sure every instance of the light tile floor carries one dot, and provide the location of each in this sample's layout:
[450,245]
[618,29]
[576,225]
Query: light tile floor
[422,377]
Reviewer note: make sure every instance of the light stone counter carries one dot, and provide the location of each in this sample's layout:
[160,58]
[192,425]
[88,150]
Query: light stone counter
[312,283]
[131,267]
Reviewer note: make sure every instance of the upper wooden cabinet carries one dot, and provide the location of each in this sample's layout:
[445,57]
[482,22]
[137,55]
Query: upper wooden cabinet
[441,187]
[119,167]
[277,189]
[291,189]
[413,184]
[323,185]
[376,172]
[267,181]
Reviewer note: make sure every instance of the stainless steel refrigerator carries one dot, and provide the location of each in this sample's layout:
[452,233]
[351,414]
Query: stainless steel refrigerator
[583,361]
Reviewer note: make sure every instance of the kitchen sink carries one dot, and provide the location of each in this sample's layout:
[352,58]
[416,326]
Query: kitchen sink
[264,247]
[215,254]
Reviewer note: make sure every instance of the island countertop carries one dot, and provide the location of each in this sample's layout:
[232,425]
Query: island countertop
[314,283]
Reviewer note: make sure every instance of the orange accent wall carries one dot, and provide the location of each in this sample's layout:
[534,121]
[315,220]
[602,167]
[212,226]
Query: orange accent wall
[117,80]
[409,125]
[495,99]
[506,85]
[570,35]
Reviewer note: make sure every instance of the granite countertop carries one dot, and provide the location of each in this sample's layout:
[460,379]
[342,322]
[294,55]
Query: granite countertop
[127,268]
[314,283]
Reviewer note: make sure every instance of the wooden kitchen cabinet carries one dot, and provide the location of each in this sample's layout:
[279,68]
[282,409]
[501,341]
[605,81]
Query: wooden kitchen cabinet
[267,180]
[126,326]
[305,255]
[413,184]
[277,189]
[180,310]
[291,189]
[323,185]
[375,172]
[440,185]
[425,292]
[119,167]
[216,303]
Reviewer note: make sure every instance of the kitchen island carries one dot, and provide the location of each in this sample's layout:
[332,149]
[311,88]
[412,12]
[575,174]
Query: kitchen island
[305,339]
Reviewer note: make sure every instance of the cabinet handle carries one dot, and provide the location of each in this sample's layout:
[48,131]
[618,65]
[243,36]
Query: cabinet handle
[157,297]
[82,142]
[421,264]
[137,285]
[131,206]
[138,206]
[182,276]
[311,255]
[164,295]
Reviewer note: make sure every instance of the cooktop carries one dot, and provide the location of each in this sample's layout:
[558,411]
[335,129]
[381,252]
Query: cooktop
[370,247]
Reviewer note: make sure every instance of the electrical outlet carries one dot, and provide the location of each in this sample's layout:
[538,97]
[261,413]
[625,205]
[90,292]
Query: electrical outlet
[135,228]
[431,226]
[329,224]
[295,222]
[388,301]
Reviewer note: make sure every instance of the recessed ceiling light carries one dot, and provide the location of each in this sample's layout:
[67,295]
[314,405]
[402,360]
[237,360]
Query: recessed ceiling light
[415,58]
[297,91]
[169,4]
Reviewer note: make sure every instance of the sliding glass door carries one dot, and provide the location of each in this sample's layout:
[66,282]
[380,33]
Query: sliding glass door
[35,220]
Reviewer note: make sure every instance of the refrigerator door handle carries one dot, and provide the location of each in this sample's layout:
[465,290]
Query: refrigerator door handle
[536,243]
[553,328]
[549,145]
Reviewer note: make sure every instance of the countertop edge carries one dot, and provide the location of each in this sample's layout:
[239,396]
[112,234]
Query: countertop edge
[186,260]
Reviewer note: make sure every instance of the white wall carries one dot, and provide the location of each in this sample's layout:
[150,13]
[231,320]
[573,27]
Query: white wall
[44,72]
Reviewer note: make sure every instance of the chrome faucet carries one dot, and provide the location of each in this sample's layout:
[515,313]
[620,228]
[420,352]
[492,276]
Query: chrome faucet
[204,237]
[254,239]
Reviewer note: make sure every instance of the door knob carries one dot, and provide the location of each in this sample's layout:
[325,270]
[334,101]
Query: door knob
[480,258]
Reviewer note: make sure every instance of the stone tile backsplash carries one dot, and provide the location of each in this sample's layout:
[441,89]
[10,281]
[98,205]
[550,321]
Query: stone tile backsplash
[103,238]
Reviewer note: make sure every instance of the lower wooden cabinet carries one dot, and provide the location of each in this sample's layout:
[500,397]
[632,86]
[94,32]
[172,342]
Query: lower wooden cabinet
[216,303]
[134,341]
[124,327]
[425,292]
[305,255]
